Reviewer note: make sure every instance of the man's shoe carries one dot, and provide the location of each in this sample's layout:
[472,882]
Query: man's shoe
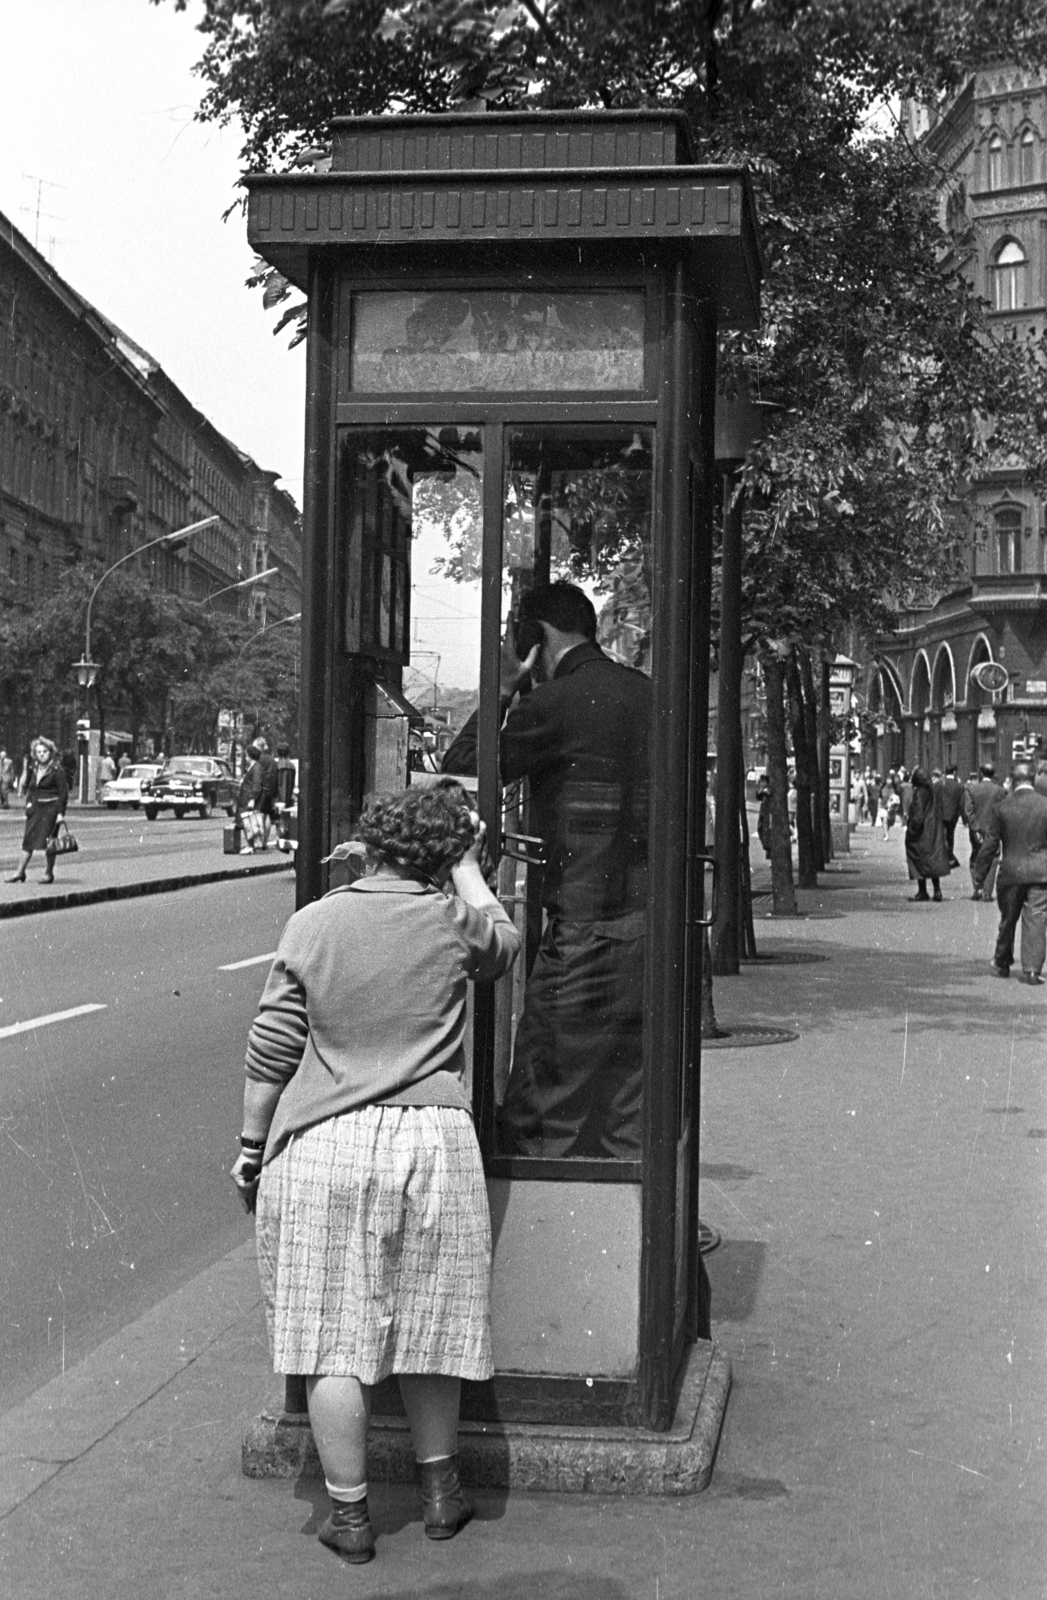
[1000,972]
[348,1530]
[1032,977]
[444,1507]
[977,895]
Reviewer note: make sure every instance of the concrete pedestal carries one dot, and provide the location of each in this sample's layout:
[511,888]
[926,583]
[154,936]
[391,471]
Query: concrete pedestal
[562,1460]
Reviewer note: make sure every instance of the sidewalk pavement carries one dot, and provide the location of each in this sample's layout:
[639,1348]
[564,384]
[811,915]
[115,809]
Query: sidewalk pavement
[107,871]
[879,1290]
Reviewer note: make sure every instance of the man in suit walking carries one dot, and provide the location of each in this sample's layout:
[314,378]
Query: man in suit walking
[1019,826]
[952,800]
[979,802]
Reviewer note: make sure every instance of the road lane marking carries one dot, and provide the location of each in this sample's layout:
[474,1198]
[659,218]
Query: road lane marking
[252,961]
[43,1022]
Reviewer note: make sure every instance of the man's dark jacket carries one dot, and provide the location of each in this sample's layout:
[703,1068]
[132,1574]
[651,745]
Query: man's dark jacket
[1019,824]
[581,740]
[980,800]
[952,798]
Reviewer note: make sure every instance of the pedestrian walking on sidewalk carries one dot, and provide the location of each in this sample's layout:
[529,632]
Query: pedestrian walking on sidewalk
[7,777]
[358,1145]
[925,849]
[1019,828]
[979,804]
[890,802]
[952,802]
[46,797]
[249,814]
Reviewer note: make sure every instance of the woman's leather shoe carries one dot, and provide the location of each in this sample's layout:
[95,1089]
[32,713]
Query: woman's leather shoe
[48,877]
[444,1507]
[19,877]
[348,1530]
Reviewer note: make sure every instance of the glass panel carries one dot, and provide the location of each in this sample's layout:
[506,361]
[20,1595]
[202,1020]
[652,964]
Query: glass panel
[413,521]
[495,340]
[574,765]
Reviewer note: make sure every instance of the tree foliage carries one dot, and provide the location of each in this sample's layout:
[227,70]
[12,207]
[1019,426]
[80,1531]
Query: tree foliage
[896,390]
[164,663]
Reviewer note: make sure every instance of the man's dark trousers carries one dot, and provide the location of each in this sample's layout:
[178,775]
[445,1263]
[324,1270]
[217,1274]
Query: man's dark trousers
[1026,902]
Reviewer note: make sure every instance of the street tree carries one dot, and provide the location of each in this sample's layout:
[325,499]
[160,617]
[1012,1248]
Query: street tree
[143,640]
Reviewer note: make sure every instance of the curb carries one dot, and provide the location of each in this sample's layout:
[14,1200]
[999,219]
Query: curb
[130,891]
[531,1456]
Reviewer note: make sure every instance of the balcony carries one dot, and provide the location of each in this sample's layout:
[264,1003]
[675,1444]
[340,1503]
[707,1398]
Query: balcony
[123,492]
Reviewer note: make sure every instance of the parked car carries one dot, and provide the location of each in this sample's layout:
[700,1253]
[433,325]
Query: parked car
[132,786]
[192,783]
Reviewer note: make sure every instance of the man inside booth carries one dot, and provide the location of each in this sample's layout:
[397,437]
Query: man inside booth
[576,727]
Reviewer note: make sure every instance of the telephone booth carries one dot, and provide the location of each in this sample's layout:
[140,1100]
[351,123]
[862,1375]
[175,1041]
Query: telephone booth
[511,384]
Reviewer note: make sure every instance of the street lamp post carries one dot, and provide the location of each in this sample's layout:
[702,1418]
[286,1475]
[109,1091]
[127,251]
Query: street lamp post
[296,616]
[244,583]
[86,669]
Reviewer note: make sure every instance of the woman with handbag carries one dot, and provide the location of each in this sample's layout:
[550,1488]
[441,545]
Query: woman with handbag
[249,804]
[46,797]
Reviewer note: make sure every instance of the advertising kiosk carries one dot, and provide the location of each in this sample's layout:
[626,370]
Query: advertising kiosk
[511,383]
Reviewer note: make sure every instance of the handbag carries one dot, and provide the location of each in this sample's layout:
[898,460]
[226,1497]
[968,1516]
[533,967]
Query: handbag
[253,826]
[61,844]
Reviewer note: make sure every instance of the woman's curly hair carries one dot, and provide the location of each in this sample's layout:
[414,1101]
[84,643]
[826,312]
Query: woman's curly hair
[425,830]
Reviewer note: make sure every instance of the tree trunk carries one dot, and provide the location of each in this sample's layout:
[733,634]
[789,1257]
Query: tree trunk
[824,746]
[783,893]
[747,948]
[807,872]
[810,715]
[726,932]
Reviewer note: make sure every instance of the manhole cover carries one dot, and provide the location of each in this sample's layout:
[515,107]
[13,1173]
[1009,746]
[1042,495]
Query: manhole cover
[792,958]
[708,1238]
[742,1038]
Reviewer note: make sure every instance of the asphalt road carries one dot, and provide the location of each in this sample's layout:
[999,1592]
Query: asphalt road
[119,1124]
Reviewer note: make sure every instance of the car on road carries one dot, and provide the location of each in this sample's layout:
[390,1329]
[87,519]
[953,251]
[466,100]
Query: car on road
[131,787]
[192,783]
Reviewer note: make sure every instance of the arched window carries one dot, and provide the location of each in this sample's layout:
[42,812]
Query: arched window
[1008,277]
[996,162]
[1007,522]
[1027,155]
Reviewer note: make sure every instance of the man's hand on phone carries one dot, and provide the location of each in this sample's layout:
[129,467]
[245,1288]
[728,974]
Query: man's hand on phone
[513,671]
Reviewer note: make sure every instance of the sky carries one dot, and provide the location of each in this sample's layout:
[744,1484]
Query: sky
[97,135]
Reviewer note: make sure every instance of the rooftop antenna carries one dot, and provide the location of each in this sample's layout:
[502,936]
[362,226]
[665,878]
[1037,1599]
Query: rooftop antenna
[36,212]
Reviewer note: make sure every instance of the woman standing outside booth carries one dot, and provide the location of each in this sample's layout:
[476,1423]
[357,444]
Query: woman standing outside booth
[46,797]
[373,1228]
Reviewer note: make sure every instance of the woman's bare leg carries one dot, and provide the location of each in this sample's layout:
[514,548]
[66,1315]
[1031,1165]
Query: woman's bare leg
[339,1412]
[432,1403]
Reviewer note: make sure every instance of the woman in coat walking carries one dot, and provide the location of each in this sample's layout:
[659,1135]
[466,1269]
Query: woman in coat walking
[925,846]
[46,797]
[373,1227]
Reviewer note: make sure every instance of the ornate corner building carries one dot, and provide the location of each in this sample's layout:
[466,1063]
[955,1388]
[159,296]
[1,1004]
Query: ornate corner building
[101,452]
[924,707]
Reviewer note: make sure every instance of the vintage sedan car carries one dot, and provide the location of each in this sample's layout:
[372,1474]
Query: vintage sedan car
[192,783]
[131,787]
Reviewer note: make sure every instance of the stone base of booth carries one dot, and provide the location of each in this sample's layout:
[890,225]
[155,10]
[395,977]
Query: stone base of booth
[561,1460]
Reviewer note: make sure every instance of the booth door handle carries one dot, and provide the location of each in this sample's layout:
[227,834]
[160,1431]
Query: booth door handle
[711,888]
[526,847]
